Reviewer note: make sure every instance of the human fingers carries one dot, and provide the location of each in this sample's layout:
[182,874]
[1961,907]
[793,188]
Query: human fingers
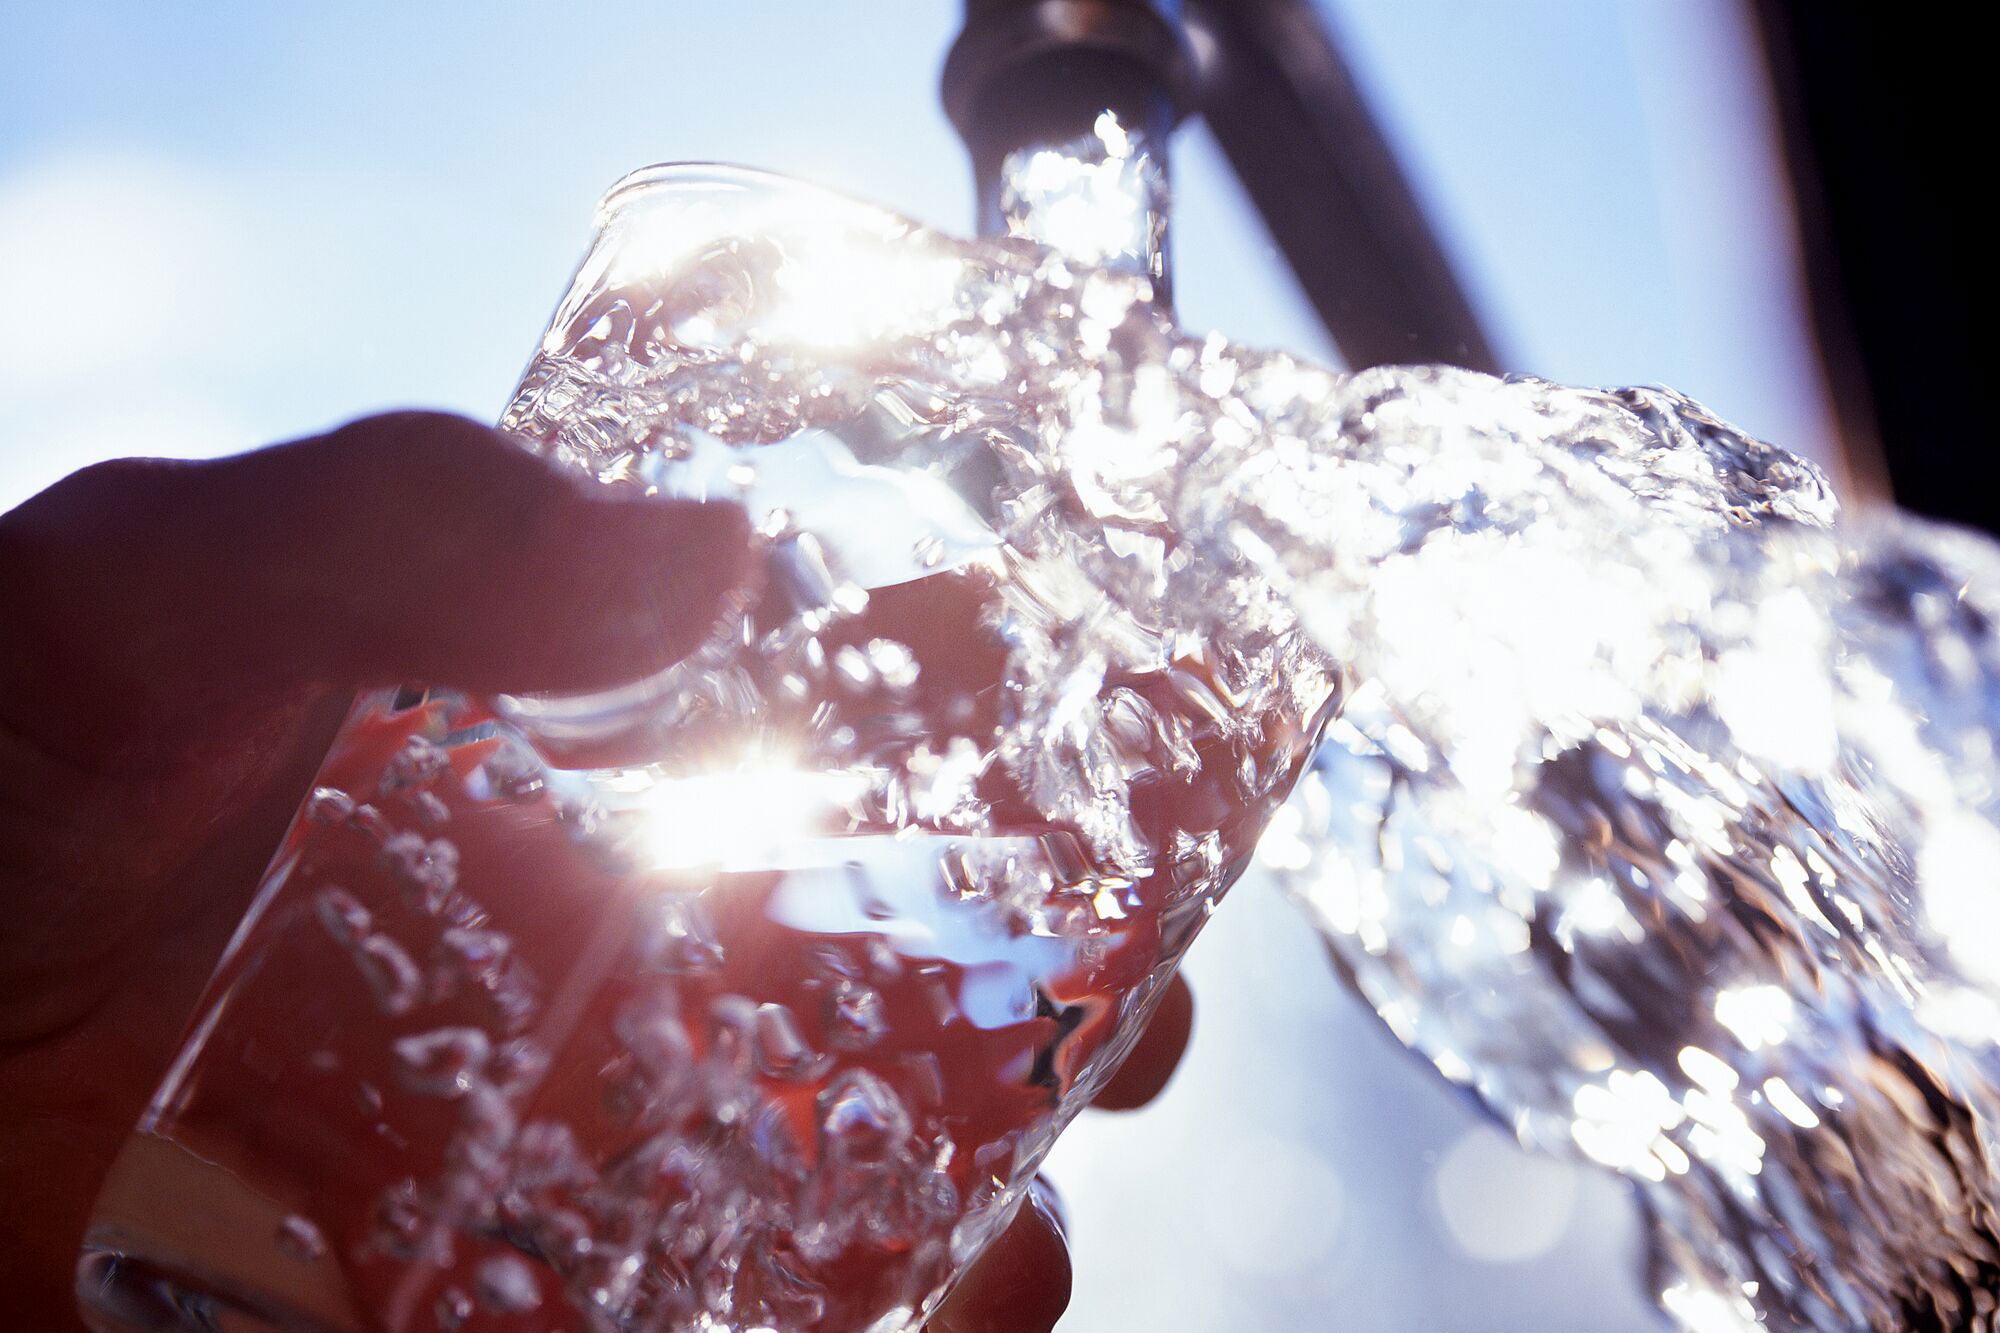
[408,546]
[1021,1282]
[1153,1061]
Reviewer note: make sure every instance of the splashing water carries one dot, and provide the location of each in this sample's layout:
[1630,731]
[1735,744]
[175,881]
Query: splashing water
[1660,809]
[1650,803]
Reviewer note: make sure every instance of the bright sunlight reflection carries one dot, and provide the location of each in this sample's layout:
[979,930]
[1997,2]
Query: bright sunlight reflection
[739,816]
[1096,201]
[740,255]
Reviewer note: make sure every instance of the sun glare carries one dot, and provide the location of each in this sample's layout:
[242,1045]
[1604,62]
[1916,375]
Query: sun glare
[739,817]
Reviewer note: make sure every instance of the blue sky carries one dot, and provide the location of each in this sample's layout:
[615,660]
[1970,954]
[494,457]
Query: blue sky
[269,196]
[228,223]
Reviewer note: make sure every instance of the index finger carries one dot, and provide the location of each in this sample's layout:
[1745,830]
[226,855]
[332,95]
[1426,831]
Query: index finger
[1152,1062]
[412,546]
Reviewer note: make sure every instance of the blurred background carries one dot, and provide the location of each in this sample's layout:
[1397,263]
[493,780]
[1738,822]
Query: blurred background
[232,223]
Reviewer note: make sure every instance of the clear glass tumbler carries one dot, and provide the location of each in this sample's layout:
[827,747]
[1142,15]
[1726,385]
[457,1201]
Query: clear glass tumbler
[747,997]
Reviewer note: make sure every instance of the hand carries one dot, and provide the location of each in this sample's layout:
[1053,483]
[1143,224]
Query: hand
[178,642]
[1021,1283]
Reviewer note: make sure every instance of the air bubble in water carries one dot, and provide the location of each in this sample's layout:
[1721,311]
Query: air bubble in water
[417,764]
[371,823]
[443,1063]
[893,663]
[781,1052]
[431,809]
[675,935]
[856,1018]
[649,1026]
[329,805]
[517,1065]
[506,1285]
[401,1221]
[512,772]
[425,868]
[454,1307]
[862,1121]
[478,956]
[545,1154]
[301,1239]
[391,976]
[343,916]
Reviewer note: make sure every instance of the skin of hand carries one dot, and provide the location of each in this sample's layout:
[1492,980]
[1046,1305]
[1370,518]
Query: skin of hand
[178,645]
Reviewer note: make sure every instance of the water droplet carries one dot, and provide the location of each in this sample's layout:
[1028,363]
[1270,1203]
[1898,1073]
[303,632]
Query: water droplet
[853,666]
[486,1126]
[562,1236]
[790,1299]
[798,578]
[714,304]
[937,1196]
[732,1057]
[517,1066]
[514,996]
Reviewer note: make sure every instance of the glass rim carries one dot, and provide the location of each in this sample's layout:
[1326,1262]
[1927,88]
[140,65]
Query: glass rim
[663,178]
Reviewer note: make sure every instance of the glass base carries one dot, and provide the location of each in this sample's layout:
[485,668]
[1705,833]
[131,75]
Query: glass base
[181,1245]
[122,1293]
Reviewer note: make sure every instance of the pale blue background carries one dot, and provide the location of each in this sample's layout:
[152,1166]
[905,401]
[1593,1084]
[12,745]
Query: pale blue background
[228,223]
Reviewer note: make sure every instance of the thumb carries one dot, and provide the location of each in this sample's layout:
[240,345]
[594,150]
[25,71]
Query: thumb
[409,546]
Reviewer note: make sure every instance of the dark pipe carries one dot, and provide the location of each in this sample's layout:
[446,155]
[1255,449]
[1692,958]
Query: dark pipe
[1280,100]
[1880,119]
[1025,73]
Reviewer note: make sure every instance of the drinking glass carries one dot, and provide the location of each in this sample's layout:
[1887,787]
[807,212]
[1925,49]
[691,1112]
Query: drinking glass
[748,996]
